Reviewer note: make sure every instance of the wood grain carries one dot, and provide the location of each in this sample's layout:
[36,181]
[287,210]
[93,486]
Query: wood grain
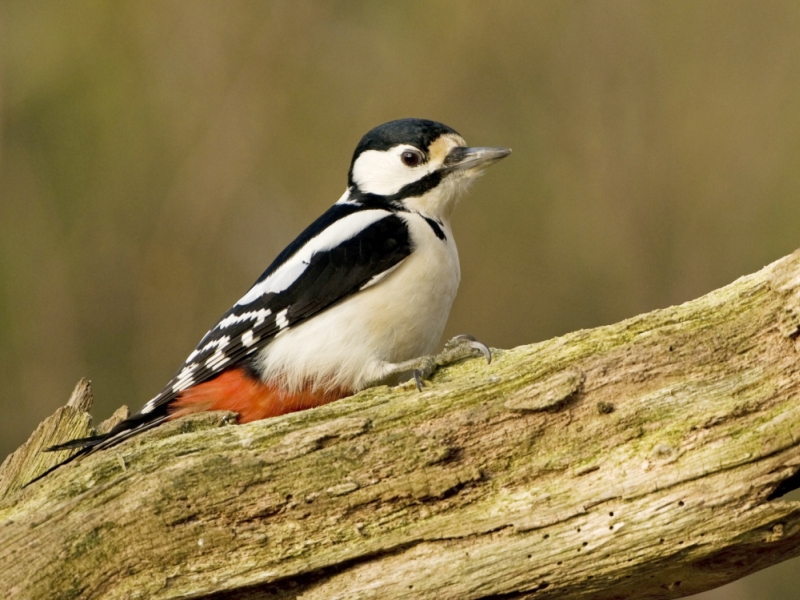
[639,460]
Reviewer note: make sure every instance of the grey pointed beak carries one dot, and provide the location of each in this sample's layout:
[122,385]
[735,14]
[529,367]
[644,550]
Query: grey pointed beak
[461,158]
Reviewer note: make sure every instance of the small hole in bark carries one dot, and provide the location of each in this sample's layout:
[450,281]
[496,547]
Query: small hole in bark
[529,556]
[671,348]
[559,563]
[680,503]
[578,530]
[611,514]
[611,527]
[546,535]
[677,584]
[585,544]
[605,408]
[661,541]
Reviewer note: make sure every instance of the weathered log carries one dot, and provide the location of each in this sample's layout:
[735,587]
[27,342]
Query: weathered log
[639,460]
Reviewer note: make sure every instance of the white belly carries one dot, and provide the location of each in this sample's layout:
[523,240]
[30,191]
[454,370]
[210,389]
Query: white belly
[401,317]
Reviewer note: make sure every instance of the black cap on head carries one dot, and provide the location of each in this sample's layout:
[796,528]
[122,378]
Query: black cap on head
[417,132]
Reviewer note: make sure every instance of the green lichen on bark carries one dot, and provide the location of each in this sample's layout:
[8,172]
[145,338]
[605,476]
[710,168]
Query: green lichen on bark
[497,479]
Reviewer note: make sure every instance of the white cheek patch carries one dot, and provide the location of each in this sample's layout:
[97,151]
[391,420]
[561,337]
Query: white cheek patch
[383,173]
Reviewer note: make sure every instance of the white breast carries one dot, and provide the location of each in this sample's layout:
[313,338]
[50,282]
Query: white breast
[399,318]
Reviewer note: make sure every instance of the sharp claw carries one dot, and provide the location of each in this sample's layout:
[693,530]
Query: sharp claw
[418,379]
[476,345]
[484,349]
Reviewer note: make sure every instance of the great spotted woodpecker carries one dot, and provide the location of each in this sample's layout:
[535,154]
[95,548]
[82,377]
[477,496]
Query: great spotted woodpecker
[360,298]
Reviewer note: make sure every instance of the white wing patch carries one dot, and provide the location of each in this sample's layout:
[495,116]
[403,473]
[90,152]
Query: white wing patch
[185,378]
[332,236]
[248,339]
[151,404]
[216,360]
[256,315]
[217,343]
[281,320]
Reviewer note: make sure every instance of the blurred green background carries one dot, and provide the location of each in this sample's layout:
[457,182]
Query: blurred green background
[155,157]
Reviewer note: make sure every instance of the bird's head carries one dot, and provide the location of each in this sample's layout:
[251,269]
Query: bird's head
[421,164]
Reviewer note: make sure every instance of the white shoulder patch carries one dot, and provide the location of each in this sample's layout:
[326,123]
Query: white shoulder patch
[333,235]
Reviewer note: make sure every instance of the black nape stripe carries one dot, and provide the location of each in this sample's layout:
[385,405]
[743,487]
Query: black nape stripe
[436,228]
[375,201]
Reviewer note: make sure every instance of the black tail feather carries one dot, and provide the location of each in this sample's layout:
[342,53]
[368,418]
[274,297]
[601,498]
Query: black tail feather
[61,464]
[86,443]
[121,432]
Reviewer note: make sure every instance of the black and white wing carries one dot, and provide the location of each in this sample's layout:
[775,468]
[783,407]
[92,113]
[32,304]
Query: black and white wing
[345,250]
[348,248]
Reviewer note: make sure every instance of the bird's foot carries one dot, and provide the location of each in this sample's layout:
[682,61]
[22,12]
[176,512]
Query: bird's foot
[460,347]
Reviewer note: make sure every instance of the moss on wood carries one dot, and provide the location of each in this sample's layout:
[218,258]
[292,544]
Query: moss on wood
[637,460]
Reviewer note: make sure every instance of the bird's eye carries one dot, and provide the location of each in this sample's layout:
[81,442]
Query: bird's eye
[411,158]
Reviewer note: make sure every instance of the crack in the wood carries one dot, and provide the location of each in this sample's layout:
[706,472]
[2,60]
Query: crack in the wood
[791,483]
[295,585]
[519,594]
[732,467]
[589,505]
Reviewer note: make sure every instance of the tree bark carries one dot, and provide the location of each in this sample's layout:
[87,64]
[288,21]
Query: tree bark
[639,460]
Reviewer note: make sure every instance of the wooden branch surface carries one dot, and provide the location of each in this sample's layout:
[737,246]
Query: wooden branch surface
[638,460]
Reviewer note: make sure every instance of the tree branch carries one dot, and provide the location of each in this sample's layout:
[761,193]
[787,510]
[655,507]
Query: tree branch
[638,460]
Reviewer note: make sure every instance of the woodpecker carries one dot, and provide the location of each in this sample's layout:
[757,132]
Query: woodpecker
[360,298]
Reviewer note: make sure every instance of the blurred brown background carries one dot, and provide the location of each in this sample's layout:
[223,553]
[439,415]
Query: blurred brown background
[155,157]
